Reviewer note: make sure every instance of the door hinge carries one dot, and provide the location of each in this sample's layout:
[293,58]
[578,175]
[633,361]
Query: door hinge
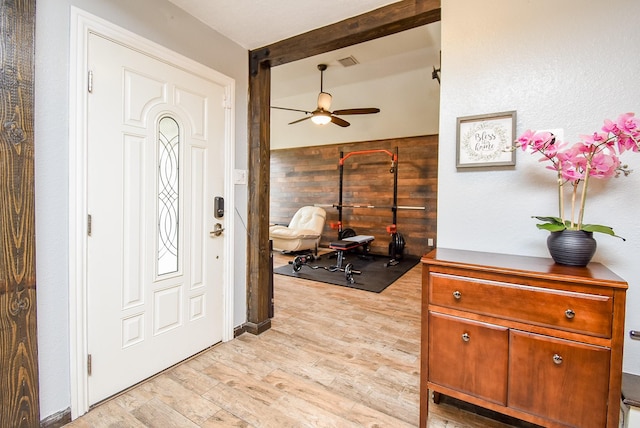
[226,102]
[89,224]
[90,82]
[89,364]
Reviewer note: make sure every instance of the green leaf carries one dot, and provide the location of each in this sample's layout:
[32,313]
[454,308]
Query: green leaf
[555,224]
[553,220]
[600,229]
[551,227]
[552,224]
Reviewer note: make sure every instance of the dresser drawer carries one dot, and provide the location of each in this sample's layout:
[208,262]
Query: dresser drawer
[566,310]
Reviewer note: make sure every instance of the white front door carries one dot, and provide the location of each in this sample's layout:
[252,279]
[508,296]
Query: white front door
[155,162]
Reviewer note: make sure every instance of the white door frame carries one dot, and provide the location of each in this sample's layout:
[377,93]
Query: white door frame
[82,24]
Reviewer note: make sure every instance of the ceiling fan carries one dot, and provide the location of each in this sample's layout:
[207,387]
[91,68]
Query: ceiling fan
[322,115]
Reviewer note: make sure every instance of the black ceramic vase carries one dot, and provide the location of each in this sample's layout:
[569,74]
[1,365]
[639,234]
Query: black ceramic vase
[571,247]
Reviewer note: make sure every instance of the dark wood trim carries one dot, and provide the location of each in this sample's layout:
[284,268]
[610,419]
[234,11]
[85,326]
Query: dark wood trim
[257,328]
[239,330]
[381,22]
[258,254]
[57,420]
[19,401]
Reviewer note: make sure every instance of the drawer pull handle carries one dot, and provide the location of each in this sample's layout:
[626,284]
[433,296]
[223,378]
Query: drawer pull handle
[457,295]
[557,359]
[569,313]
[465,337]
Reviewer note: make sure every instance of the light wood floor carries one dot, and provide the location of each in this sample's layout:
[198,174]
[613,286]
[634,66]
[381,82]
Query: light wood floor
[334,357]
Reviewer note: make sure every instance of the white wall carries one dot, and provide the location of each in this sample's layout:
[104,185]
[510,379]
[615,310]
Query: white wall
[408,107]
[163,23]
[569,65]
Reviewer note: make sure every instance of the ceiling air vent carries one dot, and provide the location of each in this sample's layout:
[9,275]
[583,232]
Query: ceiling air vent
[348,61]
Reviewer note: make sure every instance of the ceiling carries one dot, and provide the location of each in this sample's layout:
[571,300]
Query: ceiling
[243,21]
[414,49]
[253,24]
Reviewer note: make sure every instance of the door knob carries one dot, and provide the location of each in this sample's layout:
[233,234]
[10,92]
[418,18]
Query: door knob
[217,230]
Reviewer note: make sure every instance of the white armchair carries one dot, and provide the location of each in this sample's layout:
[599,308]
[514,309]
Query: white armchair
[303,232]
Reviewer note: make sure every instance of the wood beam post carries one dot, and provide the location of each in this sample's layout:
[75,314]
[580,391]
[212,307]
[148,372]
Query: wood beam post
[19,402]
[258,253]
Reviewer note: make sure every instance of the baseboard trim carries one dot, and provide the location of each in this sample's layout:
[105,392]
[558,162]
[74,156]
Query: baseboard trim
[239,330]
[57,420]
[257,329]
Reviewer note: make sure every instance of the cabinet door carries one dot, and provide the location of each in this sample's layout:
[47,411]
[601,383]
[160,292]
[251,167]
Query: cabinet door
[469,356]
[559,379]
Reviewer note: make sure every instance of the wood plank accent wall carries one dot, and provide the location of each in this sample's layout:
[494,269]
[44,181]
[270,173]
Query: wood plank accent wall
[310,176]
[18,339]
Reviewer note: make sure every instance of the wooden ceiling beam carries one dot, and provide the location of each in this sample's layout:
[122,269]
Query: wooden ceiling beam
[387,20]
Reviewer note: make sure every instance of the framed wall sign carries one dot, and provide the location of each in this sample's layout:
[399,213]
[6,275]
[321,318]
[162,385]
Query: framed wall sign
[484,140]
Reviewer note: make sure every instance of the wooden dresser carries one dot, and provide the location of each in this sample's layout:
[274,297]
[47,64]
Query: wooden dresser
[523,336]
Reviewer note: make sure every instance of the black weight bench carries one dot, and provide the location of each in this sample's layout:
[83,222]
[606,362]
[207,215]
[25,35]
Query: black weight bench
[350,243]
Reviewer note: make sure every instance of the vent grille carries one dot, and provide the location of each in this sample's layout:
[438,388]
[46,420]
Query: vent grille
[348,61]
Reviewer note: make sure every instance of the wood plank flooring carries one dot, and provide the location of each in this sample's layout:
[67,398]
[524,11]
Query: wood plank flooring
[334,357]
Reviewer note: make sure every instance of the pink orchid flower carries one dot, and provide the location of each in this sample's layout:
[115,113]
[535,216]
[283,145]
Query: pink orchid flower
[628,123]
[604,165]
[626,132]
[535,140]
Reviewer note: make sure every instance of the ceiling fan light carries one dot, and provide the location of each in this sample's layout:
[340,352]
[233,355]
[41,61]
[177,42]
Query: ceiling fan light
[321,118]
[324,101]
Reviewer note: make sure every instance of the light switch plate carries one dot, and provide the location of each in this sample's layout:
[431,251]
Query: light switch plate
[240,176]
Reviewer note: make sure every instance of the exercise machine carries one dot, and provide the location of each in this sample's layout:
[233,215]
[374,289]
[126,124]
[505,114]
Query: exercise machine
[397,242]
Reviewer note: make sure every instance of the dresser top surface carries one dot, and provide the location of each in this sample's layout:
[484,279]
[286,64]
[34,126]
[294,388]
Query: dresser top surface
[595,273]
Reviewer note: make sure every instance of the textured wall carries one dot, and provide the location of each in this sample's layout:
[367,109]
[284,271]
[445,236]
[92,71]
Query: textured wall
[569,65]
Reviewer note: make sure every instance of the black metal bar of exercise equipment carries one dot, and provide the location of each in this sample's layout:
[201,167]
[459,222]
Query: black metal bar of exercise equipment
[393,230]
[340,198]
[395,187]
[399,207]
[348,270]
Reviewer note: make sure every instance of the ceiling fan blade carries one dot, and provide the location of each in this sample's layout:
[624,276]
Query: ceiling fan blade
[300,120]
[357,111]
[340,122]
[291,109]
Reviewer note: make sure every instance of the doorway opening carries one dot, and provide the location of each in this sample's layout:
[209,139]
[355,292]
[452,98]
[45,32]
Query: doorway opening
[381,22]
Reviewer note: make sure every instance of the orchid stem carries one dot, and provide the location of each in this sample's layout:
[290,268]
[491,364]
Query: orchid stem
[560,199]
[573,203]
[583,198]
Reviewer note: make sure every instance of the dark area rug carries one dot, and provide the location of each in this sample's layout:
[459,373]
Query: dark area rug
[374,275]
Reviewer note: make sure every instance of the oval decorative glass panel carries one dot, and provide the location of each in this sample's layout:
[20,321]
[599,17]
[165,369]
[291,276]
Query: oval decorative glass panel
[168,202]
